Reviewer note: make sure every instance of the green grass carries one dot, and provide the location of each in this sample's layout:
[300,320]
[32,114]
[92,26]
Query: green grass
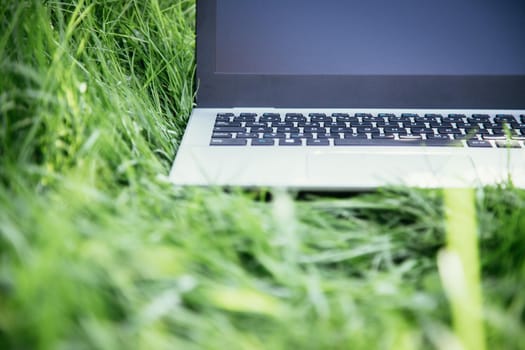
[98,251]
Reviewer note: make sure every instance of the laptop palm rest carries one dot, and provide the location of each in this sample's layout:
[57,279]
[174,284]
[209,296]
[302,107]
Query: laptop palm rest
[373,169]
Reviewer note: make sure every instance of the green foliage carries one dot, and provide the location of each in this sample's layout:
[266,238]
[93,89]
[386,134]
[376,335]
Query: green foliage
[98,251]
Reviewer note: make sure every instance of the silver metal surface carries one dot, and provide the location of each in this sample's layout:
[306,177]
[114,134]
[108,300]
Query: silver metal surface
[340,168]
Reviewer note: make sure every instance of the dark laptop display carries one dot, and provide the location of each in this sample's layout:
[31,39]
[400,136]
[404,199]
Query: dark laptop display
[349,53]
[375,37]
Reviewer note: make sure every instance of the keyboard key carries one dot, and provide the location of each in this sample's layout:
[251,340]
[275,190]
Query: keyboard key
[479,118]
[518,137]
[394,129]
[228,129]
[290,142]
[263,142]
[508,144]
[437,137]
[354,136]
[505,117]
[301,135]
[294,117]
[247,135]
[450,131]
[244,119]
[222,135]
[382,136]
[228,142]
[454,118]
[479,143]
[270,117]
[288,129]
[366,129]
[244,115]
[273,135]
[314,129]
[317,142]
[223,123]
[225,115]
[261,129]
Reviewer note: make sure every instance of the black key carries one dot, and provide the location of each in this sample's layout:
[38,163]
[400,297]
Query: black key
[338,129]
[386,115]
[476,131]
[222,135]
[441,125]
[387,124]
[228,129]
[281,124]
[479,118]
[505,117]
[399,119]
[337,115]
[367,129]
[294,117]
[346,119]
[270,117]
[362,115]
[508,144]
[327,135]
[301,135]
[390,142]
[247,135]
[335,124]
[288,129]
[451,131]
[478,143]
[256,125]
[467,125]
[308,124]
[222,119]
[372,119]
[360,124]
[429,117]
[244,119]
[232,124]
[354,136]
[454,118]
[261,129]
[228,142]
[317,142]
[394,129]
[225,114]
[409,115]
[382,136]
[290,142]
[314,129]
[522,118]
[263,142]
[416,130]
[414,125]
[437,137]
[319,117]
[274,135]
[244,115]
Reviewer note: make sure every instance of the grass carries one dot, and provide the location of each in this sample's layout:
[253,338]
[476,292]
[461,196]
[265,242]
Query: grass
[98,251]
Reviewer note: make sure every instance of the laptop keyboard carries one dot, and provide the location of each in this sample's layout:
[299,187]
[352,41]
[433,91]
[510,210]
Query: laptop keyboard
[365,129]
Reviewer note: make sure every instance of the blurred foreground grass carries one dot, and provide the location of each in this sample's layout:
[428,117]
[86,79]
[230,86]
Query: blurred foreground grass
[97,250]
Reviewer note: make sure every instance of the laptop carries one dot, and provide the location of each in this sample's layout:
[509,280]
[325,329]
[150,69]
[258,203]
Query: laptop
[355,95]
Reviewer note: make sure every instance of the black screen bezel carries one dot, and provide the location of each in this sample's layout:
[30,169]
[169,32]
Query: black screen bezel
[223,90]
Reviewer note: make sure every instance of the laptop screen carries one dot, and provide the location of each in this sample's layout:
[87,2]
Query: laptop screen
[372,37]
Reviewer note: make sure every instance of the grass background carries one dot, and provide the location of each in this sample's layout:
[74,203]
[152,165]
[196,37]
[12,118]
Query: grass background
[98,251]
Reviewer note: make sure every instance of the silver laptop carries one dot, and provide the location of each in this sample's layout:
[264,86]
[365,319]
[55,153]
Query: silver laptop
[353,95]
